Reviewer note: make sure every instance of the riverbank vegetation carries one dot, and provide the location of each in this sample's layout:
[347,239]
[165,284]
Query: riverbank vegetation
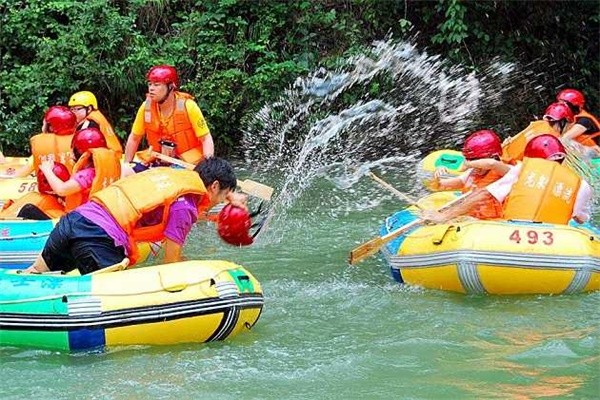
[235,55]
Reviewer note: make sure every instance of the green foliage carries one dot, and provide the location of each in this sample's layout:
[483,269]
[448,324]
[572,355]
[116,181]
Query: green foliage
[236,55]
[453,31]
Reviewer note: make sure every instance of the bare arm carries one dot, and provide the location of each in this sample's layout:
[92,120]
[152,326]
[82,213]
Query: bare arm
[133,142]
[461,208]
[440,183]
[574,131]
[208,146]
[58,186]
[489,164]
[38,266]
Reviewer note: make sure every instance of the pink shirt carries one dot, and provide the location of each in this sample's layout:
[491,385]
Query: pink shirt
[85,178]
[583,202]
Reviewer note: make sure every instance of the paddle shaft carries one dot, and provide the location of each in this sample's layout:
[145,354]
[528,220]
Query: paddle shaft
[371,247]
[248,186]
[172,160]
[392,189]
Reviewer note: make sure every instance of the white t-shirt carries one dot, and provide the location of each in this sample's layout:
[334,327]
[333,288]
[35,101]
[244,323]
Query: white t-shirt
[583,202]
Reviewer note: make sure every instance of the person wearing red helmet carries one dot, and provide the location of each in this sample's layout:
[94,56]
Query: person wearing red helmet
[586,127]
[85,107]
[160,204]
[96,167]
[539,189]
[559,116]
[170,120]
[483,165]
[54,143]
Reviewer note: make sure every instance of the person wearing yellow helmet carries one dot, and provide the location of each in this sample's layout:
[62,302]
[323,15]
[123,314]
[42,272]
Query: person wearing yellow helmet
[85,107]
[170,120]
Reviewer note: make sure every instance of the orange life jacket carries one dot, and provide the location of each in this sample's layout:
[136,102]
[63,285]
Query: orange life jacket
[491,208]
[514,149]
[50,204]
[588,139]
[128,199]
[108,170]
[112,140]
[544,192]
[49,146]
[177,129]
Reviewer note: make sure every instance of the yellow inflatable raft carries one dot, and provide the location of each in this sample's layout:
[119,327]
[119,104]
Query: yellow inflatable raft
[187,302]
[494,257]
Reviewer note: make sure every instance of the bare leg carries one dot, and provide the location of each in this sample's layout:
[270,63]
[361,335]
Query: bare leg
[38,266]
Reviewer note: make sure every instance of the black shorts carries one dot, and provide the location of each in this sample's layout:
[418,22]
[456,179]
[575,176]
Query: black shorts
[77,242]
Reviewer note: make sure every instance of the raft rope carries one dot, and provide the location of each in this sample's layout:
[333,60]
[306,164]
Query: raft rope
[25,236]
[88,294]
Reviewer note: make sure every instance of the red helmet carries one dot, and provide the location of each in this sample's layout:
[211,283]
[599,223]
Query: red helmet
[60,120]
[545,146]
[572,96]
[558,112]
[59,170]
[482,144]
[85,139]
[233,225]
[163,74]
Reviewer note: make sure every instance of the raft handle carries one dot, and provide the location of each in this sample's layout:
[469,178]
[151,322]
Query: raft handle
[438,241]
[448,160]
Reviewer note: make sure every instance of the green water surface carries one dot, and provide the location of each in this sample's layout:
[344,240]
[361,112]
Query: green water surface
[331,331]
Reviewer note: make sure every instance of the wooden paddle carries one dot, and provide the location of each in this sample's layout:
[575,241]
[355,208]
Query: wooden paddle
[371,247]
[392,189]
[113,268]
[248,186]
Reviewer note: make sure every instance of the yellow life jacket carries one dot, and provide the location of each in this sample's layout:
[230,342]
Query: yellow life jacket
[112,140]
[50,146]
[544,192]
[177,129]
[128,199]
[588,139]
[108,170]
[514,149]
[50,204]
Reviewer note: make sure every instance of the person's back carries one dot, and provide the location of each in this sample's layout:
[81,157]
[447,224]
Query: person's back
[104,230]
[541,189]
[545,191]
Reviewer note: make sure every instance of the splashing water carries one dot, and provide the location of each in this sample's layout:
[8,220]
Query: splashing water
[384,109]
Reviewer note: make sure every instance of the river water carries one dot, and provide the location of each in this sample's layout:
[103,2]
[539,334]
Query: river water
[330,330]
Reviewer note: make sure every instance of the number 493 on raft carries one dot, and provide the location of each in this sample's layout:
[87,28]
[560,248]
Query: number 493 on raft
[532,237]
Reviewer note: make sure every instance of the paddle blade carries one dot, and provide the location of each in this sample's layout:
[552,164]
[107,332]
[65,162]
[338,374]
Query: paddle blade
[256,189]
[366,250]
[113,268]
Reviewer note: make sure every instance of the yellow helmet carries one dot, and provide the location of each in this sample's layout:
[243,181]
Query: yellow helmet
[85,99]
